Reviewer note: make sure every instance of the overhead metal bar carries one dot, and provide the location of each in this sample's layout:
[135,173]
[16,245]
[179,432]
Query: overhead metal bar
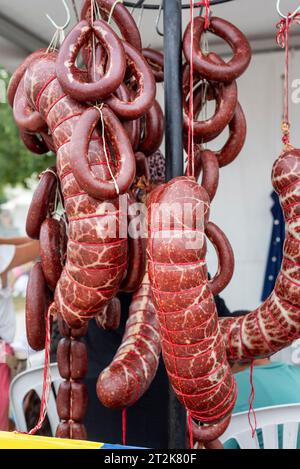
[151,6]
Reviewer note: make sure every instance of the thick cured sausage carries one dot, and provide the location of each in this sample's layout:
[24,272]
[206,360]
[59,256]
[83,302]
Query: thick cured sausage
[37,302]
[275,324]
[134,366]
[42,203]
[53,244]
[192,343]
[96,253]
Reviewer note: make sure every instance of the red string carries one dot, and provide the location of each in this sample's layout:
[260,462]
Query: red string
[251,400]
[282,39]
[190,429]
[206,4]
[46,378]
[124,426]
[190,162]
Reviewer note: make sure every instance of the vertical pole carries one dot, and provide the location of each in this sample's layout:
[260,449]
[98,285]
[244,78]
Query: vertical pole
[174,161]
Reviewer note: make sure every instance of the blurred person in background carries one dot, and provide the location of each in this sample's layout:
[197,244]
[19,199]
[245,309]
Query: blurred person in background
[14,252]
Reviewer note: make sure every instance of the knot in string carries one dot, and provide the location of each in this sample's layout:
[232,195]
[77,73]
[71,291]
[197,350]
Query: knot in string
[283,27]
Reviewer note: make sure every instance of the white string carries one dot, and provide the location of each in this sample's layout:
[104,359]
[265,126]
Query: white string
[58,201]
[57,39]
[112,10]
[99,108]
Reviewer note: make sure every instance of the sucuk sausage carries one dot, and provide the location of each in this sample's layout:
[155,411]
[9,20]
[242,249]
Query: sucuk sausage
[275,324]
[34,143]
[27,119]
[136,251]
[144,97]
[96,256]
[228,71]
[19,73]
[53,245]
[109,318]
[153,130]
[72,401]
[225,257]
[124,177]
[42,203]
[72,359]
[226,100]
[134,366]
[155,60]
[192,344]
[73,430]
[115,70]
[121,16]
[38,300]
[207,163]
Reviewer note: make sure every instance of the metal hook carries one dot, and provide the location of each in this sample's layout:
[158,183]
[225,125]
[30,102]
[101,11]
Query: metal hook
[284,16]
[159,32]
[68,18]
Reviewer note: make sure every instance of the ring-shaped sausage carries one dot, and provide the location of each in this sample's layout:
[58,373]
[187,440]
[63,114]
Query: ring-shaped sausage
[125,172]
[146,88]
[121,16]
[155,61]
[53,244]
[153,131]
[27,119]
[19,73]
[225,258]
[110,317]
[96,69]
[42,203]
[34,143]
[66,68]
[37,304]
[236,139]
[136,266]
[226,101]
[207,162]
[203,64]
[209,433]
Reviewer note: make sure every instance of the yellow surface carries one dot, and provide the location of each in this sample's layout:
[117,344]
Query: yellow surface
[16,440]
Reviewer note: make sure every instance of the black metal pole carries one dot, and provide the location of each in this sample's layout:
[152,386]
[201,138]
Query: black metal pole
[173,88]
[174,162]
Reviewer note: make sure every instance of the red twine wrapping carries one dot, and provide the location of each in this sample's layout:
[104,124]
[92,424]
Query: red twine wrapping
[190,427]
[191,155]
[282,39]
[124,426]
[206,4]
[46,379]
[253,424]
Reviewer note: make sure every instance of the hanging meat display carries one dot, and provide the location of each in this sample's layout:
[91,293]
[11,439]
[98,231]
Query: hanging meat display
[105,126]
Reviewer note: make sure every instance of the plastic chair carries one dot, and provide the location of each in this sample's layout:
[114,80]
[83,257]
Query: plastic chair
[29,380]
[268,419]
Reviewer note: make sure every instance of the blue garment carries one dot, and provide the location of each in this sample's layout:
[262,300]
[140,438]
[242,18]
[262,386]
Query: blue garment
[274,384]
[276,248]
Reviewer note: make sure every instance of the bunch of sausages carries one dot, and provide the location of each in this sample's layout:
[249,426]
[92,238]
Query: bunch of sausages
[103,123]
[178,213]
